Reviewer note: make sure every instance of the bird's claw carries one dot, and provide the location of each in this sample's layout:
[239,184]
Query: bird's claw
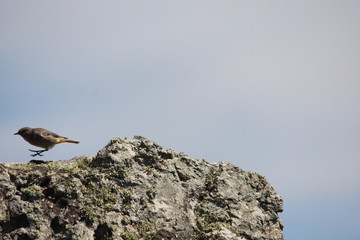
[37,152]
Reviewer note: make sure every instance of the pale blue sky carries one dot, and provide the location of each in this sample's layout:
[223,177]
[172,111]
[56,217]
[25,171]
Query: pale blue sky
[271,86]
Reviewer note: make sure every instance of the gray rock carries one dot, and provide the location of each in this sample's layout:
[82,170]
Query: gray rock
[136,189]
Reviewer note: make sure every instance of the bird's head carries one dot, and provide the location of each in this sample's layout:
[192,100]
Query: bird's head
[22,131]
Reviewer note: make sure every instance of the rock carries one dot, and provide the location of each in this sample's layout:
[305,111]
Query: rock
[164,234]
[136,189]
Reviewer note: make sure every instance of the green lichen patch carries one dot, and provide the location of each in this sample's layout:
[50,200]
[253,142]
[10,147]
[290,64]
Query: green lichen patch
[211,180]
[146,230]
[126,196]
[32,193]
[127,235]
[210,218]
[97,199]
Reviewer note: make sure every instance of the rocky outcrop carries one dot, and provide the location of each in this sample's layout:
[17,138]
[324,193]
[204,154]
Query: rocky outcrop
[136,189]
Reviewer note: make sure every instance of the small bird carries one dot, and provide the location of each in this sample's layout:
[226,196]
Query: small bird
[42,138]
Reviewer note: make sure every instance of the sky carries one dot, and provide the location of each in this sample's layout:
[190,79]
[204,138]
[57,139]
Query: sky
[272,86]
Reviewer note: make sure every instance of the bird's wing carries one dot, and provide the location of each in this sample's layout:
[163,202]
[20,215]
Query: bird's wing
[45,133]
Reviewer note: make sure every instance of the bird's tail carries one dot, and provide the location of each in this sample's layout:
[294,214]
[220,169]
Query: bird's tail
[61,140]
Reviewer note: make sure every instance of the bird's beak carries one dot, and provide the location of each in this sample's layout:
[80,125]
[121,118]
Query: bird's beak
[16,133]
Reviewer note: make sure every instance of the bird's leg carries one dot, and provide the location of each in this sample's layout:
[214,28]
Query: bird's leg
[37,152]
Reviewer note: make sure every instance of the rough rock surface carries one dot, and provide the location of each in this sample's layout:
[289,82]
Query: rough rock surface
[136,189]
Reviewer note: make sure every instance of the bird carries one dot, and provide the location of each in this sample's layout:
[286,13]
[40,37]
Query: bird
[42,138]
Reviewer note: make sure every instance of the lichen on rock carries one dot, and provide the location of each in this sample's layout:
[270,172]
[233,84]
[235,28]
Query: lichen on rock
[136,189]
